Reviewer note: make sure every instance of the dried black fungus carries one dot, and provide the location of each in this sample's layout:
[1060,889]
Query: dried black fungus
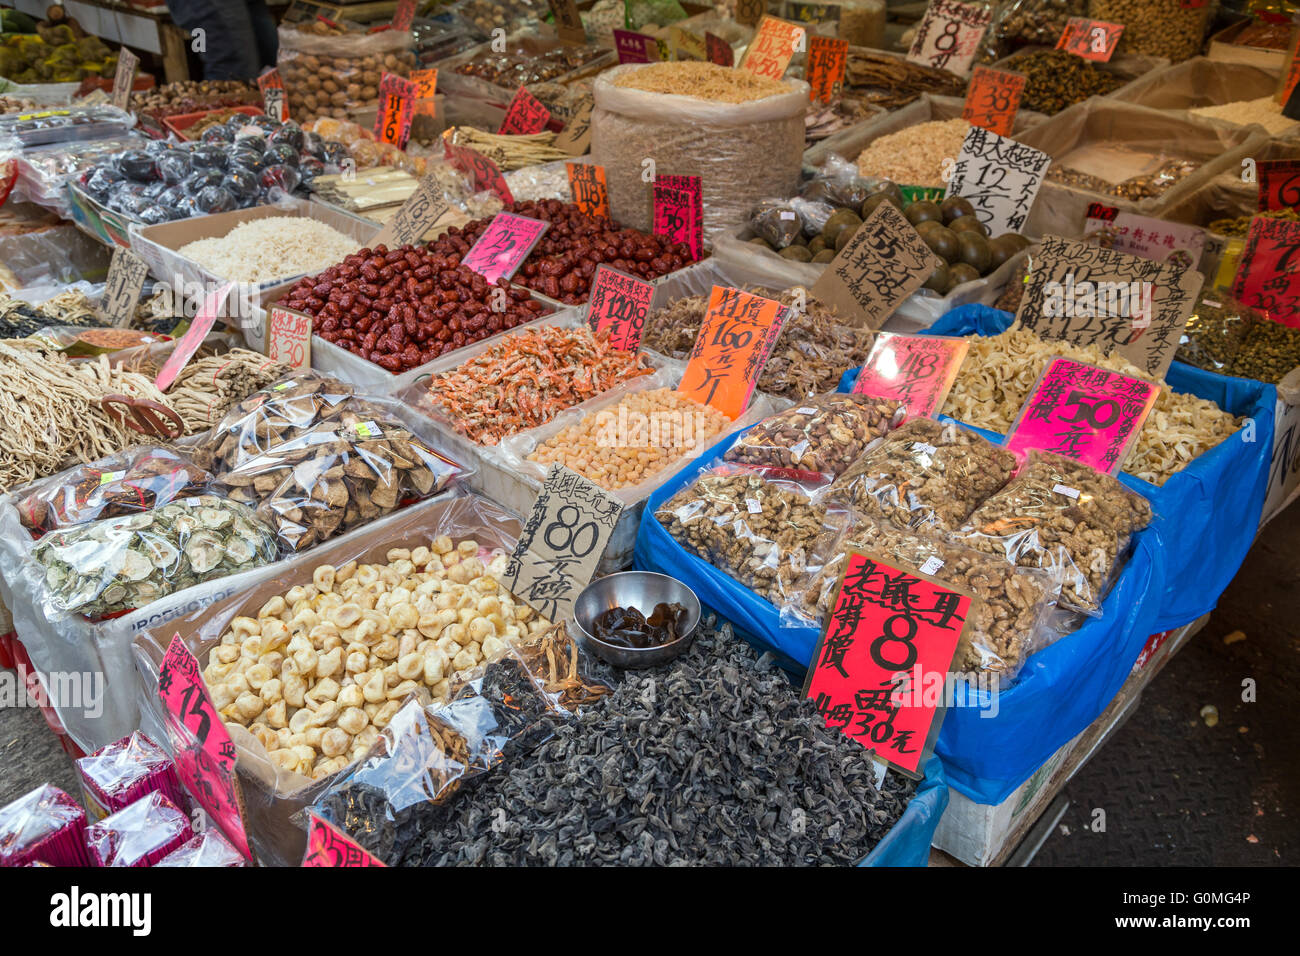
[628,627]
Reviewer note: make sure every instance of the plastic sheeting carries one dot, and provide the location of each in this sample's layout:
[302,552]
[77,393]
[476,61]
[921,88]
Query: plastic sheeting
[908,843]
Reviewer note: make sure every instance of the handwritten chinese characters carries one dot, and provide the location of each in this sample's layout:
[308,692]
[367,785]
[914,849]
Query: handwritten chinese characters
[417,216]
[679,211]
[993,99]
[126,275]
[734,342]
[917,370]
[326,846]
[619,303]
[1090,39]
[504,245]
[587,183]
[827,59]
[1268,275]
[949,36]
[772,48]
[396,108]
[525,115]
[1000,178]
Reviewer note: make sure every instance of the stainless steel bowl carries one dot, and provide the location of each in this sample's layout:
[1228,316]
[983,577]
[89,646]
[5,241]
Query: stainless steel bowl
[641,590]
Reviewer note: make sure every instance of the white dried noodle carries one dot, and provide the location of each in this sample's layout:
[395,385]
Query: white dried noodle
[278,247]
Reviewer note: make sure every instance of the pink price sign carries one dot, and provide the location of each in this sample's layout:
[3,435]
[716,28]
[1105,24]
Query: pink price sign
[917,370]
[192,339]
[679,211]
[205,754]
[1083,412]
[619,303]
[327,846]
[504,245]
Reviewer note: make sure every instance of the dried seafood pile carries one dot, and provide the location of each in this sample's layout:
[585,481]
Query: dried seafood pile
[892,81]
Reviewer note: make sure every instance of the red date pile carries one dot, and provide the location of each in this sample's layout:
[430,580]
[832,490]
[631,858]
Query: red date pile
[564,261]
[403,307]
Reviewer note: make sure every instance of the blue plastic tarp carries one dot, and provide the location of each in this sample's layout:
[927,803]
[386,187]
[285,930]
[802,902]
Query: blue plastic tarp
[908,841]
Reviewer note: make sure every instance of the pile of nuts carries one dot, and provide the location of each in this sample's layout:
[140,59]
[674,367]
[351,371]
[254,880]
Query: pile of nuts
[1168,28]
[322,669]
[1055,79]
[824,434]
[521,67]
[193,96]
[322,85]
[403,307]
[564,261]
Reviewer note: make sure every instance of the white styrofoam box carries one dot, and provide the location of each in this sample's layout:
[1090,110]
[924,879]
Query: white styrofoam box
[1284,469]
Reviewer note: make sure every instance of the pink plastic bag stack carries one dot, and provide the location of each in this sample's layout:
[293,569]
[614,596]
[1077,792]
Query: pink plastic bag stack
[45,826]
[140,835]
[116,776]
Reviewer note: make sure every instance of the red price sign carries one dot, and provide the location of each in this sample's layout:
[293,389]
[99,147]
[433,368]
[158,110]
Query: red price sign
[993,99]
[891,633]
[193,338]
[426,87]
[504,245]
[1292,73]
[619,303]
[587,183]
[288,338]
[483,173]
[1279,184]
[1090,414]
[327,846]
[719,50]
[917,370]
[1268,273]
[827,59]
[774,45]
[1090,39]
[205,754]
[525,115]
[396,107]
[404,14]
[679,211]
[735,339]
[635,47]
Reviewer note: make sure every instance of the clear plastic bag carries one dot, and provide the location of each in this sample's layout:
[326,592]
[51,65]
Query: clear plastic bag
[115,776]
[1168,28]
[776,221]
[117,564]
[126,483]
[925,475]
[139,835]
[331,73]
[1216,331]
[824,434]
[45,826]
[839,182]
[1022,23]
[1063,517]
[206,849]
[1008,622]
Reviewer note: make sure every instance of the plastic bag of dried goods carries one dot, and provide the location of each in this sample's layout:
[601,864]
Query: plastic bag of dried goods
[126,483]
[776,221]
[766,530]
[115,776]
[140,834]
[838,182]
[1008,621]
[1215,332]
[206,849]
[925,475]
[824,434]
[332,70]
[1065,518]
[43,826]
[117,564]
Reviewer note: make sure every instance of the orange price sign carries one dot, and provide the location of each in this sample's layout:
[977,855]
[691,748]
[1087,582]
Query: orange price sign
[396,107]
[587,183]
[735,340]
[426,86]
[1090,39]
[827,59]
[774,45]
[993,99]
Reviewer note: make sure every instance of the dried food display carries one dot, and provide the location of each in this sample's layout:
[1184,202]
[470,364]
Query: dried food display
[511,69]
[1169,28]
[890,81]
[1265,111]
[510,152]
[1147,185]
[333,69]
[1055,79]
[367,150]
[1240,225]
[914,155]
[140,834]
[263,250]
[193,96]
[824,434]
[1022,23]
[64,123]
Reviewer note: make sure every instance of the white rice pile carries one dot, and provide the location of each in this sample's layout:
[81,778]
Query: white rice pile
[274,248]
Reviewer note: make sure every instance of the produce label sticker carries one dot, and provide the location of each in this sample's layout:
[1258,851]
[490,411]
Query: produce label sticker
[635,47]
[194,336]
[274,101]
[483,173]
[773,47]
[1279,184]
[1090,39]
[1121,303]
[719,50]
[1268,273]
[124,78]
[1090,414]
[561,543]
[328,846]
[422,209]
[426,89]
[126,275]
[679,211]
[892,632]
[916,370]
[1000,177]
[288,338]
[884,263]
[619,303]
[204,752]
[404,15]
[1149,238]
[396,109]
[993,99]
[735,340]
[525,115]
[504,245]
[568,22]
[827,59]
[575,138]
[949,36]
[587,183]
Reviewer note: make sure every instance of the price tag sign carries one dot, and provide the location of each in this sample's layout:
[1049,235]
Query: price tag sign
[194,336]
[205,754]
[126,275]
[587,183]
[884,263]
[575,138]
[773,47]
[1091,39]
[1000,177]
[568,22]
[1279,184]
[274,101]
[483,173]
[404,15]
[288,338]
[426,88]
[327,846]
[916,370]
[719,50]
[635,47]
[1119,302]
[827,59]
[735,340]
[396,108]
[1146,237]
[619,303]
[561,543]
[421,211]
[949,36]
[679,211]
[891,632]
[993,99]
[1268,274]
[1083,412]
[504,245]
[525,115]
[124,78]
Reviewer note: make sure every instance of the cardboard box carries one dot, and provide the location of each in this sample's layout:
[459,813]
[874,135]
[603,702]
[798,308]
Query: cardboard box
[1222,48]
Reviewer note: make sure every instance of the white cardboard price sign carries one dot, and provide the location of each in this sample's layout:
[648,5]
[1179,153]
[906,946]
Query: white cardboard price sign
[288,338]
[999,177]
[124,78]
[126,275]
[949,36]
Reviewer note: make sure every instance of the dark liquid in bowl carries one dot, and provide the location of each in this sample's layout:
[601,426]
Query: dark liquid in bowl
[628,627]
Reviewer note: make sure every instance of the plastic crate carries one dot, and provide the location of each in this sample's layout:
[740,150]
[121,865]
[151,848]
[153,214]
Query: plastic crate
[179,123]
